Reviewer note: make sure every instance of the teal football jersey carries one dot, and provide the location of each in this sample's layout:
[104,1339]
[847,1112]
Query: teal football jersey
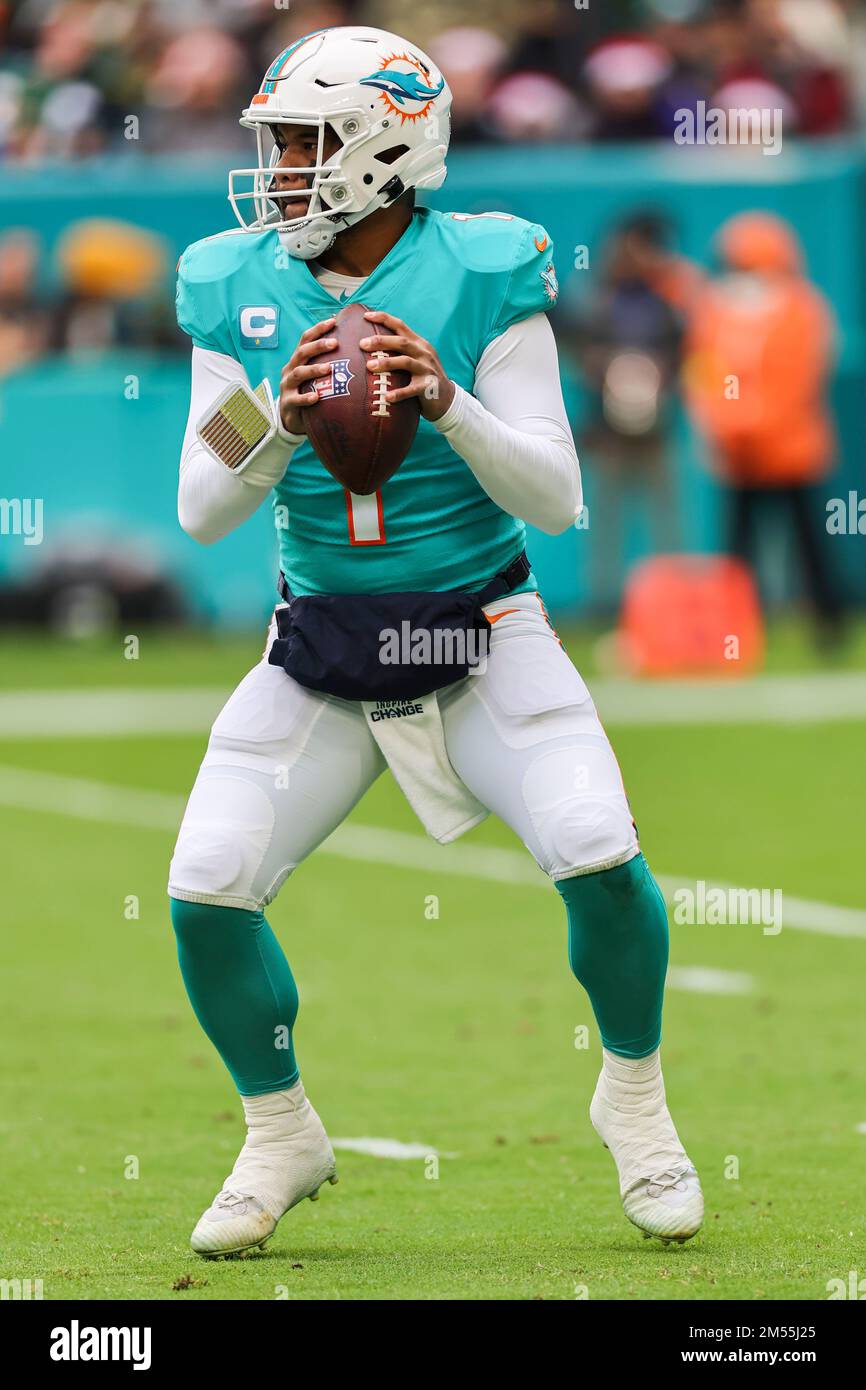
[458,280]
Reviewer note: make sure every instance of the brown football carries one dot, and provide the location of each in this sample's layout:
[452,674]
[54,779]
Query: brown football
[359,436]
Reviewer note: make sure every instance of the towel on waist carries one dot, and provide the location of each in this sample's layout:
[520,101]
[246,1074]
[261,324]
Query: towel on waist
[410,735]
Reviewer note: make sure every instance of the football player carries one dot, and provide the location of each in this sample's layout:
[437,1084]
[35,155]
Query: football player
[349,123]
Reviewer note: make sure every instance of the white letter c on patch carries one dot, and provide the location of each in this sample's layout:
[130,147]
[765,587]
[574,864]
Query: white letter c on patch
[258,322]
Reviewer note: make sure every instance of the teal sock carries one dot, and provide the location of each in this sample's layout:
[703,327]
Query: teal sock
[242,990]
[618,949]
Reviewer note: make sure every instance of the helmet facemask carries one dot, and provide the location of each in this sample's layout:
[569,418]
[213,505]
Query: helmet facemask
[325,191]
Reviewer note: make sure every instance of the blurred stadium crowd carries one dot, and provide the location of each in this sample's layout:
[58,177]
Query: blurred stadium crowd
[126,78]
[550,70]
[649,330]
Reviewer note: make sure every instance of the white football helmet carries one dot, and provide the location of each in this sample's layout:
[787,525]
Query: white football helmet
[387,103]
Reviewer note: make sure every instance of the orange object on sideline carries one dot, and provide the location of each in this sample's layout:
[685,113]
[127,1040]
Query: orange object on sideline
[691,615]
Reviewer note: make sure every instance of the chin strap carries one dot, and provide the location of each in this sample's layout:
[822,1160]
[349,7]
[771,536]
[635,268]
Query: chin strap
[307,243]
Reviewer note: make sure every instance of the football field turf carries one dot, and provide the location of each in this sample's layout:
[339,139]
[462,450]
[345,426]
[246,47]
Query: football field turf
[454,1033]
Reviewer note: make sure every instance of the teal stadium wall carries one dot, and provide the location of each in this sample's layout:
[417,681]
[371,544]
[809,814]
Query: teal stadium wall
[106,466]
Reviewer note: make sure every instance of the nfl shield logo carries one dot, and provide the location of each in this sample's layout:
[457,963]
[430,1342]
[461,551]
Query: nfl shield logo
[336,383]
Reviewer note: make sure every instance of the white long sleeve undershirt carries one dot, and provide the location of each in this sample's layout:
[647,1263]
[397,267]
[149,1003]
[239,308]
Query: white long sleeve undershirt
[514,433]
[514,437]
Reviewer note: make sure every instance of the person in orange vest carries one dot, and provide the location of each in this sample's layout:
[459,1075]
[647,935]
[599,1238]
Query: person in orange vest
[758,354]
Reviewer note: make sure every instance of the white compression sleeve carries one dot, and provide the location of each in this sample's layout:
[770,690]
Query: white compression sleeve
[211,499]
[515,436]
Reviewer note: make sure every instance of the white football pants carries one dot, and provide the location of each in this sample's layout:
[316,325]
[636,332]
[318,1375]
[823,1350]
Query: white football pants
[285,765]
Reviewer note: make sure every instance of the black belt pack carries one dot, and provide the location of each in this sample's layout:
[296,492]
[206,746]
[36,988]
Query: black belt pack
[386,646]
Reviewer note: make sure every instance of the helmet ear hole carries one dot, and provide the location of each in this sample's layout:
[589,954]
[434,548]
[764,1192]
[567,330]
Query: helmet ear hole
[392,154]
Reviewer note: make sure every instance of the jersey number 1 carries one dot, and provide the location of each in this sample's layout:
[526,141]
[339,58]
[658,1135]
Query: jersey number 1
[366,520]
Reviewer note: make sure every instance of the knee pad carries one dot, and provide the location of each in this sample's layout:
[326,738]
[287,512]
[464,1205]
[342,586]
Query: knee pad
[224,851]
[579,809]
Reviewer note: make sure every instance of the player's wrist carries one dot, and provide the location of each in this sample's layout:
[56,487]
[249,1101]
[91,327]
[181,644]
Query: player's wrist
[290,437]
[453,408]
[443,398]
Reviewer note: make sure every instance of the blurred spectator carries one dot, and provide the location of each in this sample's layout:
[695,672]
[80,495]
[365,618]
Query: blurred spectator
[196,91]
[680,29]
[554,37]
[625,77]
[532,106]
[114,279]
[23,314]
[675,278]
[760,349]
[809,43]
[473,59]
[627,341]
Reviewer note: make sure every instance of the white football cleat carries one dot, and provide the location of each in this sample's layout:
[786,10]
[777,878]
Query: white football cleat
[658,1184]
[287,1157]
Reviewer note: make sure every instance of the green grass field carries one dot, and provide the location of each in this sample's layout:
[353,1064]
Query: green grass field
[118,1122]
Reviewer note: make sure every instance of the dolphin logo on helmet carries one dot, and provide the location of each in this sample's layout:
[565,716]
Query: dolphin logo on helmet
[402,86]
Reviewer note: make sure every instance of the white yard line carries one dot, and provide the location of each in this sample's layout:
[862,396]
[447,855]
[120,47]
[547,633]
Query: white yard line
[82,799]
[123,711]
[389,1148]
[822,697]
[109,803]
[108,713]
[700,979]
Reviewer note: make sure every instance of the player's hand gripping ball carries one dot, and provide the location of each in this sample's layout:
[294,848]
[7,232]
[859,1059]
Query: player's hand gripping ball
[370,378]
